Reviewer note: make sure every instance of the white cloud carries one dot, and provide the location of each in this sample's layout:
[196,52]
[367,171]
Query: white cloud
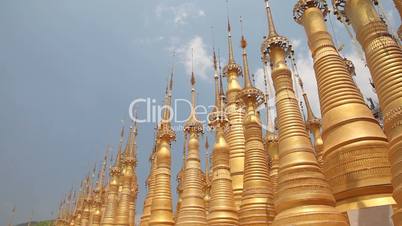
[148,41]
[296,43]
[180,13]
[260,84]
[201,13]
[259,79]
[202,60]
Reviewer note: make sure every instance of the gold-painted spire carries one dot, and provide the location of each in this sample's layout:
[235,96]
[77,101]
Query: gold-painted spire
[87,199]
[273,39]
[246,70]
[111,205]
[256,207]
[102,170]
[168,96]
[193,123]
[216,78]
[221,188]
[222,95]
[230,44]
[310,113]
[79,204]
[231,70]
[235,135]
[133,182]
[215,61]
[96,205]
[207,196]
[193,94]
[161,207]
[207,161]
[126,209]
[131,149]
[118,160]
[271,24]
[192,209]
[313,125]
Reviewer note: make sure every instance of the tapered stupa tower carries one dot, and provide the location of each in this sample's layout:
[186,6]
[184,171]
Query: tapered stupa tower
[124,212]
[355,147]
[131,161]
[384,59]
[99,193]
[180,177]
[62,214]
[161,209]
[234,135]
[86,209]
[207,195]
[303,196]
[222,208]
[79,205]
[146,215]
[192,209]
[313,125]
[257,199]
[272,148]
[109,217]
[271,140]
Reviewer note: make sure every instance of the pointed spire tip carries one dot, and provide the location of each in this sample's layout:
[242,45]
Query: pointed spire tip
[271,24]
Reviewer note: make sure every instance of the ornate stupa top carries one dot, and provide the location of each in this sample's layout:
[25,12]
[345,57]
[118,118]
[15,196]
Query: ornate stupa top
[249,92]
[116,169]
[218,115]
[193,124]
[302,5]
[130,154]
[339,9]
[165,130]
[273,38]
[231,66]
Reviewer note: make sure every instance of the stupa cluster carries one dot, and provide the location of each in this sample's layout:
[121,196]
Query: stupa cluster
[105,202]
[303,170]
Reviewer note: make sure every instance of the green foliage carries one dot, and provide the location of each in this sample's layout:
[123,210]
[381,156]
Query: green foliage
[43,223]
[38,223]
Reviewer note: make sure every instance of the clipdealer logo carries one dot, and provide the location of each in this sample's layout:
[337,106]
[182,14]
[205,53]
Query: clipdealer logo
[154,112]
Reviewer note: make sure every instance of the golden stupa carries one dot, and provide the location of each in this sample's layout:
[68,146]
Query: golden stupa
[303,170]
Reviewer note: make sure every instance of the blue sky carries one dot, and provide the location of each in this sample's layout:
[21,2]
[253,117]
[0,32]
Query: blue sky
[69,70]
